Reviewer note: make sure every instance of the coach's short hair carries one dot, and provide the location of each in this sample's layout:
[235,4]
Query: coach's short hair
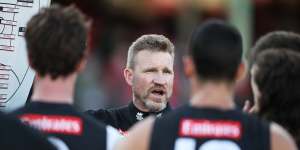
[278,80]
[150,42]
[216,49]
[56,40]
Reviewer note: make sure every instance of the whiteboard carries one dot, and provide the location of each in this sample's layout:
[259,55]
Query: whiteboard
[16,77]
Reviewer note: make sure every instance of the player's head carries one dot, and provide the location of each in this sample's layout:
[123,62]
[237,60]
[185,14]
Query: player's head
[275,79]
[149,71]
[277,40]
[56,40]
[216,52]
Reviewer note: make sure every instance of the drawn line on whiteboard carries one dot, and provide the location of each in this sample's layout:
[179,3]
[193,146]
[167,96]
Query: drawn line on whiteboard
[7,3]
[16,76]
[3,29]
[12,30]
[16,89]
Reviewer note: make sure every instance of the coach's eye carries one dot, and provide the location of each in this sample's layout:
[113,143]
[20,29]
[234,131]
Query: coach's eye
[167,71]
[150,70]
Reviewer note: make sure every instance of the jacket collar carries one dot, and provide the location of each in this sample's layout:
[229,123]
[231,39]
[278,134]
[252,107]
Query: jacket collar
[139,115]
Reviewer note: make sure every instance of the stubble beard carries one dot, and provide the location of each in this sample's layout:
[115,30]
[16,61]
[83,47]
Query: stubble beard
[149,104]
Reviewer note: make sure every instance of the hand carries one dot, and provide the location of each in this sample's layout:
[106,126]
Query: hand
[248,109]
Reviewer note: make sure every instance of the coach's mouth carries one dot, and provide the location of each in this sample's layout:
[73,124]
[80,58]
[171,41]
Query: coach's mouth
[157,94]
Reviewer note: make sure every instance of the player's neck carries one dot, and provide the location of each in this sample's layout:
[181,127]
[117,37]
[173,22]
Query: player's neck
[60,90]
[216,95]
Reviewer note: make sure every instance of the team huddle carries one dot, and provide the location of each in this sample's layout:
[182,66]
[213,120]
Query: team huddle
[56,40]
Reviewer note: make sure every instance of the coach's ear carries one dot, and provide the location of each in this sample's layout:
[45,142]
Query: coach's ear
[128,75]
[241,72]
[189,67]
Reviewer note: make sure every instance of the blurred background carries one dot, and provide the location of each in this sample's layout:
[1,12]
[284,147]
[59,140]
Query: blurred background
[117,23]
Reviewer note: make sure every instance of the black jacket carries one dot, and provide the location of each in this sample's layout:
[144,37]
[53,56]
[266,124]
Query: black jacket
[124,117]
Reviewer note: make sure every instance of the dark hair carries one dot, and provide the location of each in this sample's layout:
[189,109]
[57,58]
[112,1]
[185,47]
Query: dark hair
[276,40]
[278,80]
[56,40]
[216,49]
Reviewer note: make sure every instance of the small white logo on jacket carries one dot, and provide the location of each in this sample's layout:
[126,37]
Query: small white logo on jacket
[139,116]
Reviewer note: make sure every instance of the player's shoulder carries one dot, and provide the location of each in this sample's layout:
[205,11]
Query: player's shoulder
[173,115]
[180,110]
[281,139]
[111,116]
[252,120]
[91,121]
[21,110]
[112,137]
[105,112]
[19,136]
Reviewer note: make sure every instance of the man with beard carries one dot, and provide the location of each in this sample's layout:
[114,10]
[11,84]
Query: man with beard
[149,71]
[210,121]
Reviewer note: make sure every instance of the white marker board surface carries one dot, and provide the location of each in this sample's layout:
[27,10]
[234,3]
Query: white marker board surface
[16,77]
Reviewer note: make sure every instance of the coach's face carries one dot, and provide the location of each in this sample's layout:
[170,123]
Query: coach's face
[152,79]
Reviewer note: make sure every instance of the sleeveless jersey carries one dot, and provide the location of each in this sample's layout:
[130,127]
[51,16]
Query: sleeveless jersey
[190,128]
[64,125]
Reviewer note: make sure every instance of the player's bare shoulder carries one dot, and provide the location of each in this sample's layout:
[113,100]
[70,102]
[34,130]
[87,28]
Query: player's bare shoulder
[281,139]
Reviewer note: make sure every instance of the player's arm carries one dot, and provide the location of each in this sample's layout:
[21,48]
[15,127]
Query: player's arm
[112,137]
[138,136]
[281,139]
